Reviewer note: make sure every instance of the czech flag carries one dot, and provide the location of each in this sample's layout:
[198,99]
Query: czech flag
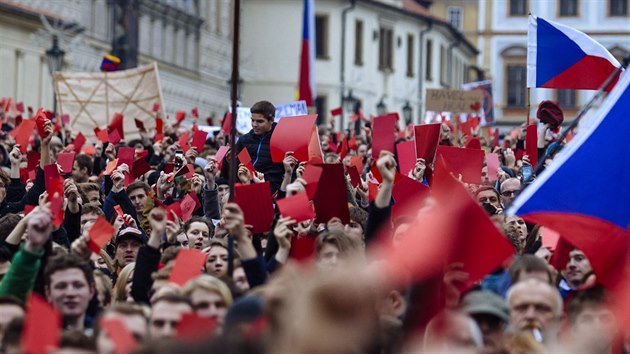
[584,194]
[562,57]
[307,62]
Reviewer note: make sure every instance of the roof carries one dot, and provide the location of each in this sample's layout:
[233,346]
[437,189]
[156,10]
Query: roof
[29,12]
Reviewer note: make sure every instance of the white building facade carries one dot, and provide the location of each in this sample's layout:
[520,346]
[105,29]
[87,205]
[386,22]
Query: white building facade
[380,52]
[502,40]
[190,39]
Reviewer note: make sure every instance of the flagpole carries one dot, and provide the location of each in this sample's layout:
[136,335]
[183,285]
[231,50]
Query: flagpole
[234,96]
[553,148]
[529,104]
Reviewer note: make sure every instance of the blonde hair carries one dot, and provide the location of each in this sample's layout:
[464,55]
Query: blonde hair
[120,293]
[209,283]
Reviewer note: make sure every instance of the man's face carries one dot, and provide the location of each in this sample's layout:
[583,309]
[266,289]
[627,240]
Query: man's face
[577,268]
[222,190]
[209,304]
[79,174]
[138,199]
[488,196]
[492,328]
[93,198]
[7,313]
[533,305]
[216,263]
[127,250]
[260,124]
[135,324]
[198,234]
[240,279]
[595,325]
[354,230]
[509,188]
[328,256]
[69,292]
[165,318]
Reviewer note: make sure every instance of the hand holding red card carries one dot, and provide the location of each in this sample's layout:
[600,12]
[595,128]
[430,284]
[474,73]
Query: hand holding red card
[100,234]
[188,265]
[292,134]
[199,140]
[65,160]
[40,121]
[406,152]
[257,205]
[42,326]
[462,161]
[383,137]
[427,137]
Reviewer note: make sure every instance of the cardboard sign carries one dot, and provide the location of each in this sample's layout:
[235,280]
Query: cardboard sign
[291,109]
[453,100]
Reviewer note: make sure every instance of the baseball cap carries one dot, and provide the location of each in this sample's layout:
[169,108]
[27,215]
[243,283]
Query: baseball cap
[485,302]
[130,232]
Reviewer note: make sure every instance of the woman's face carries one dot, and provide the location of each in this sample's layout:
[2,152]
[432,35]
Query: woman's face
[209,304]
[216,263]
[198,234]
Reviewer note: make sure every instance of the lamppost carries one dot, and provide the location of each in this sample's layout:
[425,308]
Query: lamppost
[407,112]
[54,56]
[381,108]
[349,105]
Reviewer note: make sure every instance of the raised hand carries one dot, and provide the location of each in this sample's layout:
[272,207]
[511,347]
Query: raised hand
[387,166]
[283,232]
[39,228]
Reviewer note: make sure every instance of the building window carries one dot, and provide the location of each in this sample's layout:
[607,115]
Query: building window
[386,49]
[443,78]
[566,98]
[358,43]
[618,7]
[321,37]
[455,17]
[428,74]
[321,107]
[568,8]
[518,7]
[410,61]
[516,85]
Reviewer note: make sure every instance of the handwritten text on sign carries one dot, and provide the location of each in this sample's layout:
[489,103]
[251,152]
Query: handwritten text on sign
[453,100]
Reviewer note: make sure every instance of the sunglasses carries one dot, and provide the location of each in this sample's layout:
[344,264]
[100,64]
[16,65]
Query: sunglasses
[508,193]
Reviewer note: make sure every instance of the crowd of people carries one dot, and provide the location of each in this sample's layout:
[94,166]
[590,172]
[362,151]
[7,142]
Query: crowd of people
[300,287]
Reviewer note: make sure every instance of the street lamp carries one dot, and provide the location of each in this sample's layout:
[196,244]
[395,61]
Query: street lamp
[381,108]
[54,56]
[349,102]
[407,112]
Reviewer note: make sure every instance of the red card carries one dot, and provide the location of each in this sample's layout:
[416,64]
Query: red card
[8,104]
[66,161]
[114,137]
[180,116]
[120,212]
[221,155]
[427,137]
[473,143]
[188,265]
[169,167]
[119,334]
[302,248]
[188,206]
[40,121]
[42,326]
[292,134]
[195,112]
[159,126]
[355,177]
[311,175]
[194,327]
[142,154]
[23,132]
[315,154]
[246,160]
[139,124]
[405,192]
[297,207]
[531,144]
[332,201]
[125,156]
[65,119]
[357,161]
[383,138]
[100,234]
[406,152]
[492,162]
[187,170]
[467,162]
[257,205]
[176,208]
[79,141]
[336,111]
[183,141]
[101,135]
[227,123]
[52,178]
[199,140]
[140,167]
[111,166]
[156,107]
[56,207]
[377,175]
[33,160]
[20,107]
[28,208]
[117,125]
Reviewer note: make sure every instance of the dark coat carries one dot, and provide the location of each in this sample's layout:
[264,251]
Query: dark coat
[259,149]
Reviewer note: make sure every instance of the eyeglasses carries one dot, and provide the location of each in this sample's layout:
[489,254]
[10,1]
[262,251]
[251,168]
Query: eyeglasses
[488,200]
[508,193]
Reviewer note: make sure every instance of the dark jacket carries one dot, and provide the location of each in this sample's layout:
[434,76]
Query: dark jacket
[259,150]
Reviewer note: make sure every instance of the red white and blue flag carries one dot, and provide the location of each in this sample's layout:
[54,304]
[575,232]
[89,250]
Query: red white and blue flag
[584,194]
[307,62]
[562,57]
